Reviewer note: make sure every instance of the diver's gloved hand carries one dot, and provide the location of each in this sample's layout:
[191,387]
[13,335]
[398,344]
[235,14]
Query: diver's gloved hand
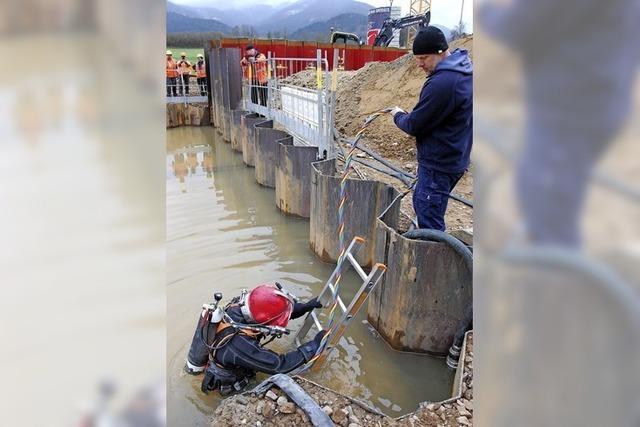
[318,338]
[309,349]
[314,303]
[300,308]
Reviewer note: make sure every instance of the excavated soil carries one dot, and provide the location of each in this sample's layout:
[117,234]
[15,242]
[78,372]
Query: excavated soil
[274,408]
[380,85]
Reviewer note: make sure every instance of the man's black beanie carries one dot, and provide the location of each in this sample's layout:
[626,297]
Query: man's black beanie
[430,40]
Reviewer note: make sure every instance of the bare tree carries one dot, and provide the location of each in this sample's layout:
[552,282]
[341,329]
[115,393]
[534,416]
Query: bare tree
[459,31]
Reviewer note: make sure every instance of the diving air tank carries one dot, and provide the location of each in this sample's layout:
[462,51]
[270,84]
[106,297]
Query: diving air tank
[204,336]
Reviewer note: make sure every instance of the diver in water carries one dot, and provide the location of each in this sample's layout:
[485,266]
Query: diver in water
[229,344]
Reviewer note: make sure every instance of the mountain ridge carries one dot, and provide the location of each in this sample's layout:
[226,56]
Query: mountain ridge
[289,17]
[178,23]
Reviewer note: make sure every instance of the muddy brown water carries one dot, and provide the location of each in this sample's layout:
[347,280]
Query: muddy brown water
[225,233]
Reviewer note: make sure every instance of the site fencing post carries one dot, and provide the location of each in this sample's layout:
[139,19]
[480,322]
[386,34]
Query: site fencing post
[332,101]
[322,149]
[270,92]
[182,92]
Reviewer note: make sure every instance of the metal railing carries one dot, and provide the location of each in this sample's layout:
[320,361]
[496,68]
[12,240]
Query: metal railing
[187,89]
[297,93]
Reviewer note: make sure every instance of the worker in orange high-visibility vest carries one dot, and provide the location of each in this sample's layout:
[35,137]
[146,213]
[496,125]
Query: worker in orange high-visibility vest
[201,74]
[256,63]
[184,71]
[246,69]
[172,74]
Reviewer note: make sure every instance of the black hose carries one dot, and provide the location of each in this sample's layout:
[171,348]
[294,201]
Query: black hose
[440,236]
[400,174]
[461,200]
[388,164]
[406,181]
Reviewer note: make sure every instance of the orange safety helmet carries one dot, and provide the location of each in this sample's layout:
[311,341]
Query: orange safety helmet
[267,305]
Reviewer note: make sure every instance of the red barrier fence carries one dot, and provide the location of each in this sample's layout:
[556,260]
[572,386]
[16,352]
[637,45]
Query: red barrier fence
[353,56]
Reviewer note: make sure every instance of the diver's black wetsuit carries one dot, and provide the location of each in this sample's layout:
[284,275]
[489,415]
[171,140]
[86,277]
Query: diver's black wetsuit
[242,356]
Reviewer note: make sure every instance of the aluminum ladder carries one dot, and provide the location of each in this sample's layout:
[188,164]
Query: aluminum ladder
[345,314]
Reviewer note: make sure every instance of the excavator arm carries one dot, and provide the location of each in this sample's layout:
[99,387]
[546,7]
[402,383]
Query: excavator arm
[385,35]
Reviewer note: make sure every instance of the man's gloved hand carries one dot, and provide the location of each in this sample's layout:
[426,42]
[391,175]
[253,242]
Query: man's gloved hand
[395,110]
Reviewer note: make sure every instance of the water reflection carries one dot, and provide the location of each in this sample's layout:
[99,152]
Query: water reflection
[187,159]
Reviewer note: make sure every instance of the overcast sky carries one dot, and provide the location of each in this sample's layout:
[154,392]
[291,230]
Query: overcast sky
[444,12]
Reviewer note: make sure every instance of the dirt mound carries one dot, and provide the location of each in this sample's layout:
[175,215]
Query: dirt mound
[380,85]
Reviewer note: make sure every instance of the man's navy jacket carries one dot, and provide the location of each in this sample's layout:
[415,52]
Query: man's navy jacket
[442,120]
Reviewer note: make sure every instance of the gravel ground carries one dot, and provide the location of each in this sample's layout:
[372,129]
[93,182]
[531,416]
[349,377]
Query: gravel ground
[274,409]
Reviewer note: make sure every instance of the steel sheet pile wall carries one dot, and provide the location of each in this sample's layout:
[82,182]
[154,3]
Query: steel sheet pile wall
[293,178]
[267,140]
[236,128]
[247,123]
[234,84]
[215,88]
[366,200]
[224,94]
[226,90]
[423,297]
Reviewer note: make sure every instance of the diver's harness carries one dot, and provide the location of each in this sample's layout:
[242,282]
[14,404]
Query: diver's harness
[218,377]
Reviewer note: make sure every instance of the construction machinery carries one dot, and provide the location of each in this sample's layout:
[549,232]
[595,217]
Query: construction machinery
[346,38]
[385,35]
[417,7]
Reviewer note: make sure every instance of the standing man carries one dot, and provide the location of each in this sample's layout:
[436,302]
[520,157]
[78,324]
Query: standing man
[442,123]
[172,74]
[184,69]
[201,75]
[256,64]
